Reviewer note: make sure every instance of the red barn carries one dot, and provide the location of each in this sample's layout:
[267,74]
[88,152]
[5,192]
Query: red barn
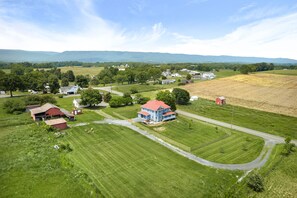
[59,123]
[221,100]
[46,111]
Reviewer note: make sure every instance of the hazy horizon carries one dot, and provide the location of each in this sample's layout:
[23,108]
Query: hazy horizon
[195,27]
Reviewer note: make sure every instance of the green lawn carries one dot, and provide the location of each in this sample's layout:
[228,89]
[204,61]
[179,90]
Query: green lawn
[123,163]
[88,115]
[126,112]
[225,73]
[279,175]
[210,142]
[138,87]
[30,167]
[258,120]
[283,72]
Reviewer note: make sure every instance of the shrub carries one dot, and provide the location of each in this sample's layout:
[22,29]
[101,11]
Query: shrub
[255,182]
[60,96]
[14,106]
[107,97]
[181,96]
[181,84]
[139,99]
[133,90]
[37,99]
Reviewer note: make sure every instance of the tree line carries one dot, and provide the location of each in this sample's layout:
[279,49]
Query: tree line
[26,78]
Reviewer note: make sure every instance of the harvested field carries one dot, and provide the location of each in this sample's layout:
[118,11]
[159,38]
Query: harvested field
[266,92]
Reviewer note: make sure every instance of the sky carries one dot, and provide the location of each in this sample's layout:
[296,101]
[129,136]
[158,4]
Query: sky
[262,28]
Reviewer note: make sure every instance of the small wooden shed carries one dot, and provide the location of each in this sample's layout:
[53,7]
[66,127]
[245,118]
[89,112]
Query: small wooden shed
[59,123]
[221,100]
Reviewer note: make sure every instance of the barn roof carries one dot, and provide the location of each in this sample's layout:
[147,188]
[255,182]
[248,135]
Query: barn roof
[222,98]
[43,108]
[55,121]
[155,105]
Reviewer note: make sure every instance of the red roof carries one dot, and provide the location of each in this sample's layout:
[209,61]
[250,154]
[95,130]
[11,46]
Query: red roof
[155,105]
[144,113]
[168,113]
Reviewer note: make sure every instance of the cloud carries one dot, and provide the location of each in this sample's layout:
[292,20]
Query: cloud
[249,12]
[274,37]
[271,37]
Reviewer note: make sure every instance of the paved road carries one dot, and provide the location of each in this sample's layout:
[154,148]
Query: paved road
[257,163]
[109,88]
[265,136]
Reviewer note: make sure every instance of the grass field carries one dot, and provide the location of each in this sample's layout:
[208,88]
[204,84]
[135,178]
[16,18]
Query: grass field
[30,167]
[279,176]
[77,70]
[283,72]
[123,163]
[226,73]
[138,87]
[213,143]
[120,112]
[267,92]
[258,120]
[204,140]
[88,115]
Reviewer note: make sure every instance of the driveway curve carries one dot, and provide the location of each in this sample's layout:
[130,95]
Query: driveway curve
[257,163]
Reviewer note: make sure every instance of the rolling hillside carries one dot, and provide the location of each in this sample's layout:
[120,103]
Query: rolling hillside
[118,56]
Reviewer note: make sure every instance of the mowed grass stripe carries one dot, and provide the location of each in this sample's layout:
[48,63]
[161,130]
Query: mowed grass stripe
[134,166]
[118,171]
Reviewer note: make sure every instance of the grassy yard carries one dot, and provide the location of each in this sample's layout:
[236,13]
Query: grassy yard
[226,73]
[279,175]
[205,140]
[30,167]
[121,112]
[258,120]
[77,70]
[283,72]
[210,142]
[123,163]
[88,115]
[142,88]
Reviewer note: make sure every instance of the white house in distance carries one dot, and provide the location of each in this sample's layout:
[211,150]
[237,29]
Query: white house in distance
[208,75]
[176,75]
[69,90]
[168,81]
[156,111]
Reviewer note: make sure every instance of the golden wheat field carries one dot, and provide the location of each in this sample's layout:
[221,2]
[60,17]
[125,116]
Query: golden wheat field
[267,92]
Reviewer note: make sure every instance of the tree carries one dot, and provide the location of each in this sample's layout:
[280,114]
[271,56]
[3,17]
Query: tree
[65,82]
[245,69]
[70,76]
[168,98]
[189,77]
[120,78]
[53,83]
[181,96]
[10,82]
[139,99]
[17,69]
[16,106]
[106,80]
[288,147]
[142,77]
[255,182]
[154,73]
[91,97]
[107,97]
[82,81]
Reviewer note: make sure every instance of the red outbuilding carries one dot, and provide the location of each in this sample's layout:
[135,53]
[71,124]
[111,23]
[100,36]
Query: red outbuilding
[221,100]
[46,111]
[59,123]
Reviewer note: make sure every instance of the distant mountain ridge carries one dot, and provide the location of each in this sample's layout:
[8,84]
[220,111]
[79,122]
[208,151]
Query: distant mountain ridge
[123,56]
